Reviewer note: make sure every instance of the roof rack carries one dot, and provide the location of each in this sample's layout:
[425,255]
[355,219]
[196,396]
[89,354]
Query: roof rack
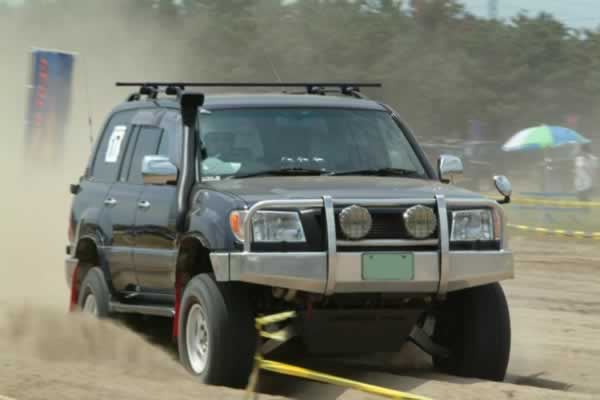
[151,89]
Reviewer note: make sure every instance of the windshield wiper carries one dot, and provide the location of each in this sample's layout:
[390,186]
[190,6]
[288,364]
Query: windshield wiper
[284,172]
[378,172]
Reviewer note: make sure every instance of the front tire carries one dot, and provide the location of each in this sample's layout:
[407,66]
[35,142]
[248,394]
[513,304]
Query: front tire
[474,325]
[217,338]
[94,295]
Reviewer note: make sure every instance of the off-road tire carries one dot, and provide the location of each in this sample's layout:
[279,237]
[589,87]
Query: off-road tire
[95,284]
[474,325]
[231,332]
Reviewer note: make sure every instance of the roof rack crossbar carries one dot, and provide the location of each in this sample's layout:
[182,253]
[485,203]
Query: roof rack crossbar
[152,89]
[183,85]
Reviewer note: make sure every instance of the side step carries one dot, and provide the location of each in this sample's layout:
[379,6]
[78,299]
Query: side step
[145,309]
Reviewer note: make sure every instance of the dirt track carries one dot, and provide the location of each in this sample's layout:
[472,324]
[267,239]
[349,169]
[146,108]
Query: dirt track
[556,351]
[45,354]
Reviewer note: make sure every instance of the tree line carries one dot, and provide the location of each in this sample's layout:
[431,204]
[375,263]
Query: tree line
[448,72]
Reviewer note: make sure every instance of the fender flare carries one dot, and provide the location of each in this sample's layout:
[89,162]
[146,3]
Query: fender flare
[102,263]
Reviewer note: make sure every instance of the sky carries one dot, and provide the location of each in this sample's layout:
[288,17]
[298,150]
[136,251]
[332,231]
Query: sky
[575,13]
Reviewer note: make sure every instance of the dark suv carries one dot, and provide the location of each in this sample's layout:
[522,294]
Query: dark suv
[213,210]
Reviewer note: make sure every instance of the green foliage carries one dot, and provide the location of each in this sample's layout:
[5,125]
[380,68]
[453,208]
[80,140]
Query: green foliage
[441,67]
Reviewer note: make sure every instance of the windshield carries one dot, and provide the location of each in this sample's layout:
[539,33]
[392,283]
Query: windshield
[245,142]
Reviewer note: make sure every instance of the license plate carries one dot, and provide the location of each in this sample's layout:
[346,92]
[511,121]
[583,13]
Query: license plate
[388,266]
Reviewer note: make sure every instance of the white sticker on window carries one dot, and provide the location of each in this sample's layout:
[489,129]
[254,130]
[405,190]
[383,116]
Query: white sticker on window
[114,144]
[211,178]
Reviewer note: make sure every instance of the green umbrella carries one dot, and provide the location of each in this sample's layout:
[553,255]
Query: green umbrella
[541,137]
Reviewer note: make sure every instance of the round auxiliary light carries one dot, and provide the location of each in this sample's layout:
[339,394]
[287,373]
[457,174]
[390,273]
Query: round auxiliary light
[420,221]
[355,222]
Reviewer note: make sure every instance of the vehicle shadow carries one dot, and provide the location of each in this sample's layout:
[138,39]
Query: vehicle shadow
[399,371]
[404,371]
[155,330]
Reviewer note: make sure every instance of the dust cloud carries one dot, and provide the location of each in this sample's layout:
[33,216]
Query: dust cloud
[35,192]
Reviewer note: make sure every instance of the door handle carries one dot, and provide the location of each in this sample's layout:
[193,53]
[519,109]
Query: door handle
[110,202]
[143,204]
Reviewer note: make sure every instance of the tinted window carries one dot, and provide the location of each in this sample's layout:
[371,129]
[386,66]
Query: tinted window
[248,141]
[128,154]
[112,147]
[146,144]
[170,144]
[163,147]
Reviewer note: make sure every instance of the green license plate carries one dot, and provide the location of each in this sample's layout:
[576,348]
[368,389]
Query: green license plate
[388,266]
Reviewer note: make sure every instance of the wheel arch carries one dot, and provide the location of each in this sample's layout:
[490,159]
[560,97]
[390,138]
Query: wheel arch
[88,251]
[192,258]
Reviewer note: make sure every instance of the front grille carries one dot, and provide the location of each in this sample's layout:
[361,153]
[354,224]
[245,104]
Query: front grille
[388,223]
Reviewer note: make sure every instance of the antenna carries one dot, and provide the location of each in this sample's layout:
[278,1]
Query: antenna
[88,101]
[274,70]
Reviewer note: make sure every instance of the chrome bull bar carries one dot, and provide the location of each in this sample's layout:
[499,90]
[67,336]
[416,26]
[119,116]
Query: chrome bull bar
[328,203]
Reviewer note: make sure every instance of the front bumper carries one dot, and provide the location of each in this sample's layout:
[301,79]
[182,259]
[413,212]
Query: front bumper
[332,271]
[309,271]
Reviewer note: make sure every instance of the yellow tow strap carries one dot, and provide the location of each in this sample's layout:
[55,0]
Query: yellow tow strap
[299,372]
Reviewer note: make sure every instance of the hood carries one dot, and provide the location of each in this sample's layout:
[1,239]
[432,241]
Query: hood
[256,189]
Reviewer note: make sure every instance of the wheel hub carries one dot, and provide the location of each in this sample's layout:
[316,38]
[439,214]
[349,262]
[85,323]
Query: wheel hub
[197,338]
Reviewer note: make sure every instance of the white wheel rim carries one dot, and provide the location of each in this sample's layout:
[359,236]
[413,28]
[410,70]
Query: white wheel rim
[197,338]
[90,305]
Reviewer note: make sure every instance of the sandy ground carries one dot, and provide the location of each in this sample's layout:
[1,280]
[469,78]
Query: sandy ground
[47,354]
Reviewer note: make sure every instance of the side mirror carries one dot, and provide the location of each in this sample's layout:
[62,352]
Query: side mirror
[503,186]
[449,168]
[158,170]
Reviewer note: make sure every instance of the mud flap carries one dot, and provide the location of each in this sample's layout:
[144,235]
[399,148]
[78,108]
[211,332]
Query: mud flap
[74,291]
[178,294]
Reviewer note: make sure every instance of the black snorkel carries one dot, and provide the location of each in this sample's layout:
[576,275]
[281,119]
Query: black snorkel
[190,104]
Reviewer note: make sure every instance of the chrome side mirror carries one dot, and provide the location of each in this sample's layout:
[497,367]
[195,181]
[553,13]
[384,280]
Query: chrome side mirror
[449,168]
[503,186]
[158,170]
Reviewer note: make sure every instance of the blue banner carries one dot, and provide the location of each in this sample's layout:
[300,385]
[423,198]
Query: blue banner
[49,104]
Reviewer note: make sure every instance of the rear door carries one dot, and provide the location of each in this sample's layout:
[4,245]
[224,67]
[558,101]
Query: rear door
[155,250]
[88,206]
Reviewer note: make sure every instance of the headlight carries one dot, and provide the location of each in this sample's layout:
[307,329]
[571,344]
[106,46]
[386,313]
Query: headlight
[473,225]
[269,226]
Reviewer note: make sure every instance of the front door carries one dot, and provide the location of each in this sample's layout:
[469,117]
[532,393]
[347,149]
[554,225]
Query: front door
[155,249]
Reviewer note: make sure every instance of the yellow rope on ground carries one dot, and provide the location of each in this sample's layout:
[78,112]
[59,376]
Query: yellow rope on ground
[548,202]
[556,203]
[560,232]
[300,372]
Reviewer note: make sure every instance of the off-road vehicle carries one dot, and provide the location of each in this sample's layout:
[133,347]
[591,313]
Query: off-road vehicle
[213,210]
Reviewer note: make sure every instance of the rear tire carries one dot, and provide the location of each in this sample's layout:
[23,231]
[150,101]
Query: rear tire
[217,337]
[474,325]
[94,295]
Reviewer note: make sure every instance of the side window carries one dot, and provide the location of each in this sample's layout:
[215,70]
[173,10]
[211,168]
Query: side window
[170,144]
[146,144]
[112,147]
[163,147]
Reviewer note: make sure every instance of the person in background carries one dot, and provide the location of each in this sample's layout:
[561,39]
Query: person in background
[586,165]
